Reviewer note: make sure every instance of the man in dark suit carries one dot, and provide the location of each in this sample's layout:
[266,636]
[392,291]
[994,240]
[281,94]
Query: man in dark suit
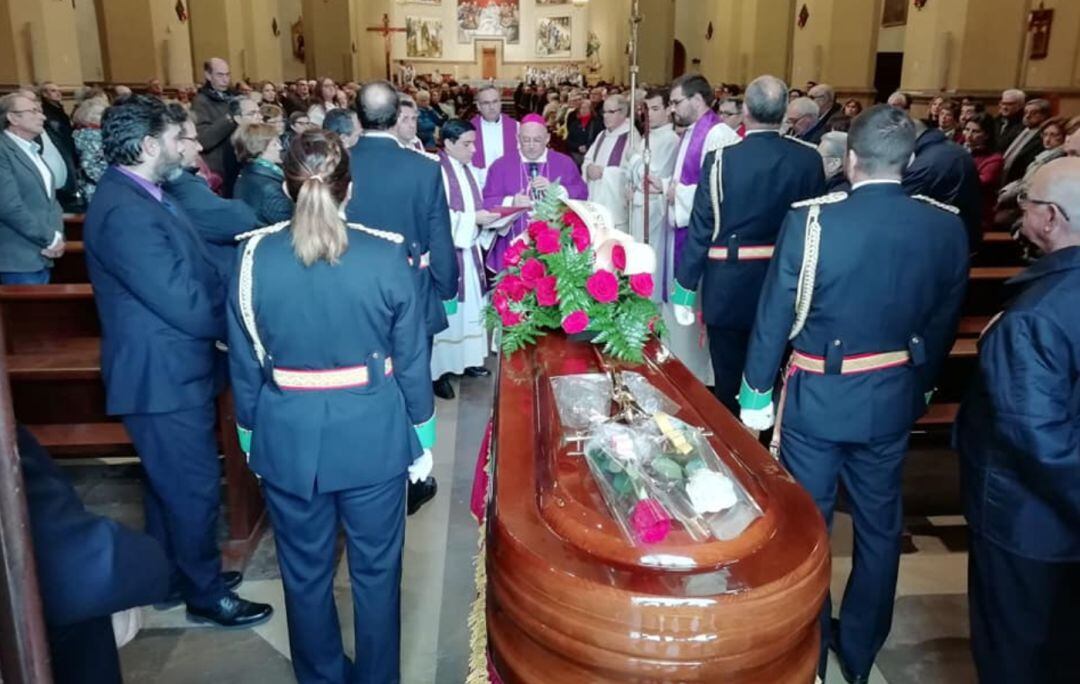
[162,308]
[945,171]
[744,193]
[828,108]
[88,568]
[1028,142]
[218,220]
[31,222]
[1010,119]
[61,138]
[400,190]
[1019,444]
[866,289]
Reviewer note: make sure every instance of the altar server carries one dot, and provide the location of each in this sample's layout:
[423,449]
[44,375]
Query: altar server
[463,346]
[691,99]
[604,167]
[866,289]
[521,177]
[332,384]
[496,133]
[740,204]
[663,144]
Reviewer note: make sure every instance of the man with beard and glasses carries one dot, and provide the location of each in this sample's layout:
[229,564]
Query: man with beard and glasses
[161,303]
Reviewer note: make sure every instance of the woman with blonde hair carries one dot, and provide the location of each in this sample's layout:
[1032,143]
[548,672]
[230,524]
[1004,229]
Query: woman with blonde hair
[333,401]
[87,122]
[258,150]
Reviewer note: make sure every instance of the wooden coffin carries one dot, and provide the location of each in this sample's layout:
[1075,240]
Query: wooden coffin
[570,600]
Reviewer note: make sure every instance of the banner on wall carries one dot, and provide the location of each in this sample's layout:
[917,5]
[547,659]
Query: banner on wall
[423,37]
[553,37]
[489,19]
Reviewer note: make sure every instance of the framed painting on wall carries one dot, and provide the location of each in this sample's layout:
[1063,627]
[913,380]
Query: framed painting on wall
[489,19]
[553,37]
[895,13]
[552,2]
[423,37]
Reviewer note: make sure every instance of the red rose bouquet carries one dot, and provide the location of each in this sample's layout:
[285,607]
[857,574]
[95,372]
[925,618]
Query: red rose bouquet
[569,270]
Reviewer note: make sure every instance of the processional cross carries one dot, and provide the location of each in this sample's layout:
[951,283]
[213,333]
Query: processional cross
[386,30]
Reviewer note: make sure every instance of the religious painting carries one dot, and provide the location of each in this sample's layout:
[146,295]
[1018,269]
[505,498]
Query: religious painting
[553,37]
[423,37]
[552,2]
[297,36]
[423,2]
[489,19]
[895,13]
[1039,23]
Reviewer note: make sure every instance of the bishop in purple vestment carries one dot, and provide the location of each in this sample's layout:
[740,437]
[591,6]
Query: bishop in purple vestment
[521,176]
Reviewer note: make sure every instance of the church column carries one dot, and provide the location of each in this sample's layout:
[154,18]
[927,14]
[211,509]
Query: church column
[217,30]
[965,45]
[837,44]
[656,37]
[39,42]
[608,20]
[144,39]
[330,28]
[748,37]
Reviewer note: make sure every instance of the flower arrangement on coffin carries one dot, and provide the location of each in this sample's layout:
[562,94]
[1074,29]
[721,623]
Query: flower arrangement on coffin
[571,271]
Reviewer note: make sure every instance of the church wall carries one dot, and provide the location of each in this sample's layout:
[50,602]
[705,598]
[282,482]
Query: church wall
[810,54]
[288,12]
[1061,68]
[690,27]
[328,36]
[767,49]
[128,41]
[992,44]
[371,46]
[86,26]
[655,41]
[172,46]
[43,43]
[263,53]
[217,30]
[932,59]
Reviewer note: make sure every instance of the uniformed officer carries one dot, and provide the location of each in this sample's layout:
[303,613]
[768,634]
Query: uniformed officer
[867,290]
[332,382]
[740,203]
[1018,435]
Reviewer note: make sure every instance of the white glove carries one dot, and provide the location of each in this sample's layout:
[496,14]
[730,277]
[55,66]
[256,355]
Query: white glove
[421,467]
[758,419]
[684,315]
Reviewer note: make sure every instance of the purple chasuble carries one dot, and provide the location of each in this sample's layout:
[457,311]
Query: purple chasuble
[616,152]
[509,136]
[691,168]
[457,203]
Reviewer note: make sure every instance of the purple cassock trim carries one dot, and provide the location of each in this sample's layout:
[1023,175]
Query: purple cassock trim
[457,203]
[691,168]
[508,135]
[615,157]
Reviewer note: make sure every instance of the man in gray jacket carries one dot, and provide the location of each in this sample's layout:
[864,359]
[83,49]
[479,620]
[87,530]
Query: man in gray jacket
[214,123]
[31,222]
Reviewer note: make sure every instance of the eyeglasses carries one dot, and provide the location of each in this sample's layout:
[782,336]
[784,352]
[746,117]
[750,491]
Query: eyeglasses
[35,110]
[612,111]
[725,113]
[676,103]
[487,104]
[1024,198]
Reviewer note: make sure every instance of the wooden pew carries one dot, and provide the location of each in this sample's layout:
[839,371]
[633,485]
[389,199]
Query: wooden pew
[73,227]
[52,348]
[998,249]
[71,268]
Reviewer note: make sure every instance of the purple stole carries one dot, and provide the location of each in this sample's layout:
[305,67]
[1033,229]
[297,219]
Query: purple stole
[691,168]
[509,140]
[457,203]
[616,152]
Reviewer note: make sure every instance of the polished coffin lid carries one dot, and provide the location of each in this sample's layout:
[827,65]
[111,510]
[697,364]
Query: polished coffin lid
[567,590]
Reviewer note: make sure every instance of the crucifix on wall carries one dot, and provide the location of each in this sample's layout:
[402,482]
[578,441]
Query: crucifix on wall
[386,30]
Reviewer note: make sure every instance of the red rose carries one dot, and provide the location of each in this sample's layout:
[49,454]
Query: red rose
[603,286]
[575,322]
[536,227]
[532,271]
[548,242]
[580,236]
[500,302]
[618,257]
[573,220]
[510,318]
[545,291]
[513,287]
[642,284]
[513,253]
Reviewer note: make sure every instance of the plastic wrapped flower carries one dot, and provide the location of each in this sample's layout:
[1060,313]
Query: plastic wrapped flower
[650,521]
[710,492]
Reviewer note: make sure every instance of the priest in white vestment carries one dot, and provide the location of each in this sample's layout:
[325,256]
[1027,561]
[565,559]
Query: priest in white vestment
[663,144]
[604,166]
[463,346]
[691,100]
[495,132]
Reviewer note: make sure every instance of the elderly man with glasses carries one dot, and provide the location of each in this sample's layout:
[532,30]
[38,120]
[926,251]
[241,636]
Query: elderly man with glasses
[1018,436]
[604,166]
[496,133]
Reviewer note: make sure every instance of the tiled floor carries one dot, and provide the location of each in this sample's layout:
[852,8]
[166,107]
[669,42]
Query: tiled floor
[928,643]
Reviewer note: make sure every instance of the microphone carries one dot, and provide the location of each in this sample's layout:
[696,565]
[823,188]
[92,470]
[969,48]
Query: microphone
[534,171]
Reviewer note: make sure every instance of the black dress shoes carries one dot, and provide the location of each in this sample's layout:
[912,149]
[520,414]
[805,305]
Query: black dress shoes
[231,578]
[442,388]
[232,612]
[477,372]
[420,493]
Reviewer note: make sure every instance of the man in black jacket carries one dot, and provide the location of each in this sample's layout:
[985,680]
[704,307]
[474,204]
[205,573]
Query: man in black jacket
[944,171]
[213,120]
[88,568]
[1010,119]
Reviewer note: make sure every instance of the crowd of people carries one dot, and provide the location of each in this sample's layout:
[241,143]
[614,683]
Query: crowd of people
[335,244]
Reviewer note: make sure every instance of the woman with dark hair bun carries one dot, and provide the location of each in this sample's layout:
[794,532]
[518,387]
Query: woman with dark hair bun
[332,387]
